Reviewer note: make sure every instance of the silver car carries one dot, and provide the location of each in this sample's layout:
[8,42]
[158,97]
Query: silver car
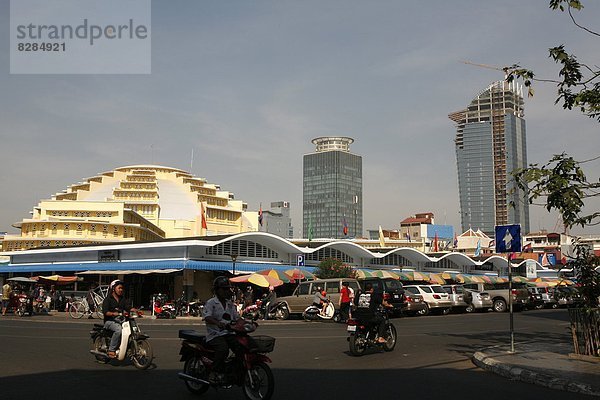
[477,301]
[456,294]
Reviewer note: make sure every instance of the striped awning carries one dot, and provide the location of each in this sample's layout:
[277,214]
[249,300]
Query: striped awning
[106,267]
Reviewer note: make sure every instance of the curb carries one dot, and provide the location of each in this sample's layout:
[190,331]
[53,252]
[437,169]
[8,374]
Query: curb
[530,376]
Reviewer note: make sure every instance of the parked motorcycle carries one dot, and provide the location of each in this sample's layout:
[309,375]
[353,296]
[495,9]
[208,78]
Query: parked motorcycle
[364,336]
[258,311]
[162,308]
[248,368]
[134,344]
[314,313]
[24,305]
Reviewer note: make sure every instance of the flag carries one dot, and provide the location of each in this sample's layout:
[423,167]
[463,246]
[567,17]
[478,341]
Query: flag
[260,216]
[381,238]
[544,260]
[455,241]
[203,212]
[310,229]
[527,247]
[492,244]
[435,243]
[345,227]
[478,249]
[408,235]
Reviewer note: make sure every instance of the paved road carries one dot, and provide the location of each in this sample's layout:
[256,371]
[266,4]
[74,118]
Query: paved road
[432,359]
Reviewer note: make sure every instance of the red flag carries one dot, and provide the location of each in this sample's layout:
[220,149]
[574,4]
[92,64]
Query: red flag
[435,243]
[203,210]
[260,216]
[345,226]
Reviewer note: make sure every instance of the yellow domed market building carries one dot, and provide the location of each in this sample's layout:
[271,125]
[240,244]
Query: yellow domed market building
[132,204]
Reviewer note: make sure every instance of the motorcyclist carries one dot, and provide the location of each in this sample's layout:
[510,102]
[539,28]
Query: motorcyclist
[216,311]
[113,305]
[368,310]
[270,301]
[320,300]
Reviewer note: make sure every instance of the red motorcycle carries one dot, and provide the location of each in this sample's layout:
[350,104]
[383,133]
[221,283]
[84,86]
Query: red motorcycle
[247,368]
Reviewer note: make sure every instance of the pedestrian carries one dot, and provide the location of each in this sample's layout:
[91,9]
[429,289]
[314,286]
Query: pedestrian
[6,292]
[344,303]
[248,296]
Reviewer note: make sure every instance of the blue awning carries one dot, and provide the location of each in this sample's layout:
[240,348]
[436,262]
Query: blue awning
[143,265]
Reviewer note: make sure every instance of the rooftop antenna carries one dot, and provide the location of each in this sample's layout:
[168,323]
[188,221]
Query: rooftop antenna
[192,162]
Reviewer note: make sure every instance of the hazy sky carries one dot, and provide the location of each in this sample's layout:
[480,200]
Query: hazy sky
[248,84]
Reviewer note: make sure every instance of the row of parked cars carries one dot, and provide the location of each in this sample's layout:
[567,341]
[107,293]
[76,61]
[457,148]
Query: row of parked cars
[422,299]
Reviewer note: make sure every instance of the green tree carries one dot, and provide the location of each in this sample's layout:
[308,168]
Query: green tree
[561,183]
[333,268]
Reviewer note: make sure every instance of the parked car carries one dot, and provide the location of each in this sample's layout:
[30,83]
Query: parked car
[500,295]
[392,289]
[477,301]
[456,294]
[566,296]
[435,297]
[535,299]
[303,294]
[546,296]
[415,305]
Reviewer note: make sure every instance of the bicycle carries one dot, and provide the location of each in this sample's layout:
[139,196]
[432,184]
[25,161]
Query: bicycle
[79,308]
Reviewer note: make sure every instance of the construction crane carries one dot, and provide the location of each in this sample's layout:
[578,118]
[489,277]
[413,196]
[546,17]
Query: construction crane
[505,69]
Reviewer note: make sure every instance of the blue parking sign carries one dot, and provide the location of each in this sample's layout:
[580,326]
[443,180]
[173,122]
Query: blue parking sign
[508,238]
[300,260]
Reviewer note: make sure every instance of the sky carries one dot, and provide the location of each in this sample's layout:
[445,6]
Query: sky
[247,85]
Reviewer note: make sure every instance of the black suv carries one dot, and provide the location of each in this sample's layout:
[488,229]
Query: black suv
[392,289]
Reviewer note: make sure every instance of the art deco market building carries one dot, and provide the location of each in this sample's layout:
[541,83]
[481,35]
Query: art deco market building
[131,204]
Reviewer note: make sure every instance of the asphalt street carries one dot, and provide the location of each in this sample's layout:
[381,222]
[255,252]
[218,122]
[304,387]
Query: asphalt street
[42,357]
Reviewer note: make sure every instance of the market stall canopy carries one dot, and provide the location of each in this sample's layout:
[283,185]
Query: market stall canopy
[257,279]
[57,279]
[22,279]
[298,273]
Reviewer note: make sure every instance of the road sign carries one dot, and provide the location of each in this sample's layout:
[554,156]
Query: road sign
[300,260]
[530,269]
[508,238]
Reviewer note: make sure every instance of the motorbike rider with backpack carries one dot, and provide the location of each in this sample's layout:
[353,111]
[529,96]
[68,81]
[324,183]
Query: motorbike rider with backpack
[113,305]
[368,310]
[218,336]
[270,301]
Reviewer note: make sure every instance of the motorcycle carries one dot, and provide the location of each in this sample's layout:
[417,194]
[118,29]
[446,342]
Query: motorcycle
[247,368]
[134,344]
[258,311]
[161,308]
[314,313]
[364,335]
[24,305]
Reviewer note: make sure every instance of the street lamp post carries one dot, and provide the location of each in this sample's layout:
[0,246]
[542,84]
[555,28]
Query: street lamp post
[234,257]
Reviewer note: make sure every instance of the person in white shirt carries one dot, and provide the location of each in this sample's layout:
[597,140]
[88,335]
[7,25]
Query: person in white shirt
[219,311]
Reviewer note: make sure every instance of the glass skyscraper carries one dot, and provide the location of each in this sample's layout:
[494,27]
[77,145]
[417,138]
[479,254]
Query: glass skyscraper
[332,190]
[491,143]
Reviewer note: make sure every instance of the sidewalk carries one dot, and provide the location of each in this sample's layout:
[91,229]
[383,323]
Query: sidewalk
[543,364]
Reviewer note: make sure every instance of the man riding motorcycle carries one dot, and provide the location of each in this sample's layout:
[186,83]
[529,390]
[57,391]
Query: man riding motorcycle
[368,310]
[218,336]
[113,305]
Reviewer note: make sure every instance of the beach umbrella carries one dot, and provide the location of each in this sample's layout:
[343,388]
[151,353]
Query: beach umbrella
[257,279]
[520,279]
[363,273]
[436,278]
[298,273]
[412,276]
[380,273]
[273,273]
[57,279]
[466,278]
[450,275]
